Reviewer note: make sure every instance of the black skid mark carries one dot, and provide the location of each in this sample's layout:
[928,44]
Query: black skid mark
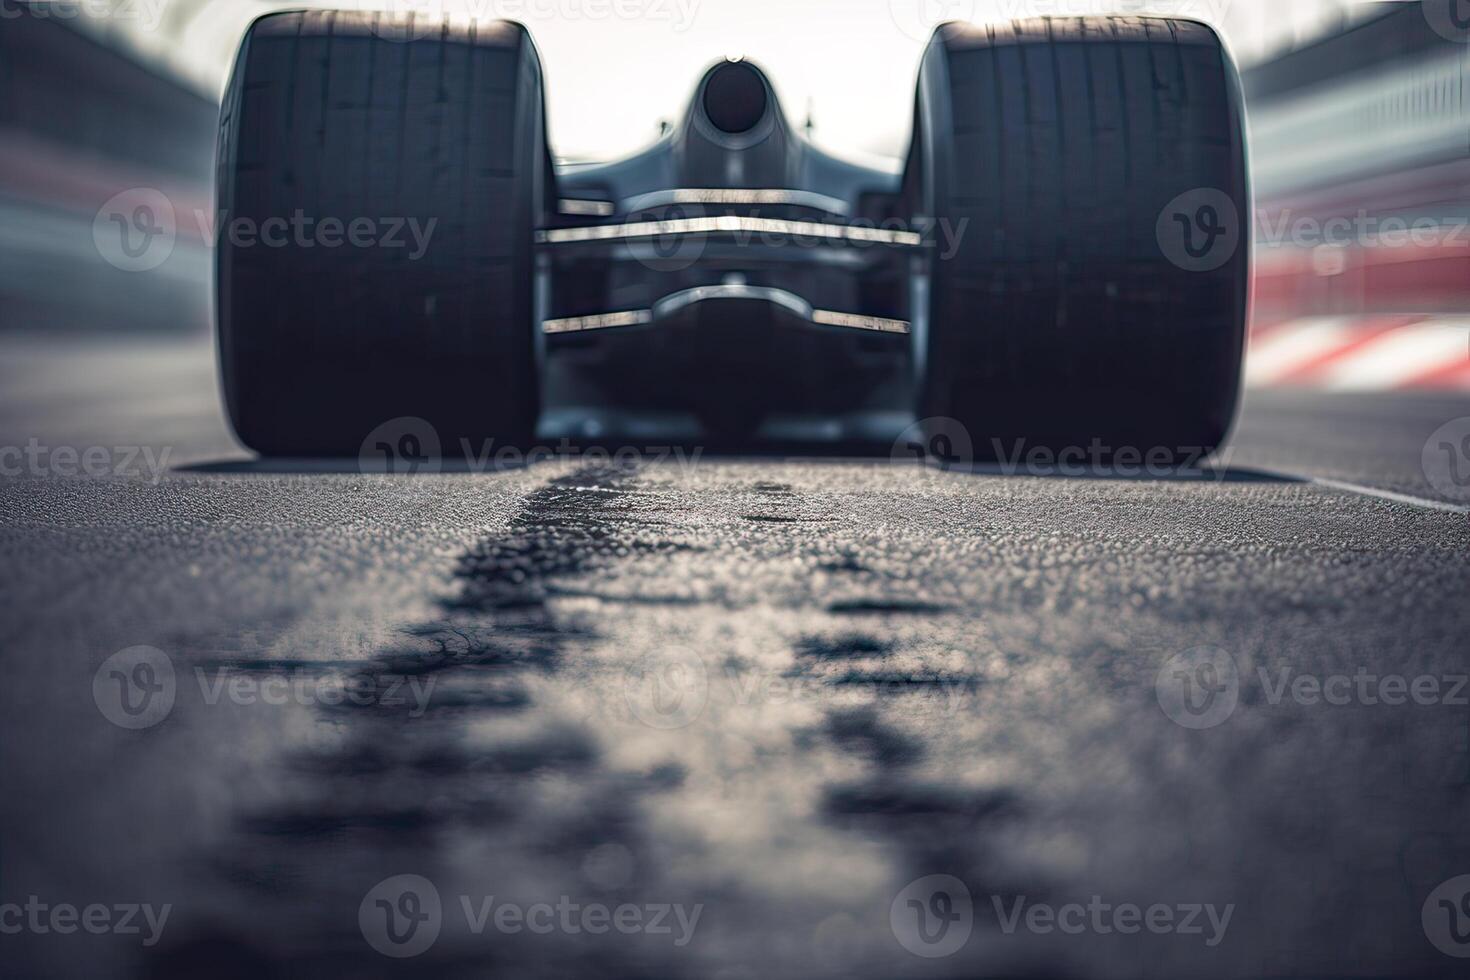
[576,524]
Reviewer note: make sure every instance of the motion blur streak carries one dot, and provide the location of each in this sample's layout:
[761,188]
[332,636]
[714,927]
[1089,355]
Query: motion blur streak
[1362,170]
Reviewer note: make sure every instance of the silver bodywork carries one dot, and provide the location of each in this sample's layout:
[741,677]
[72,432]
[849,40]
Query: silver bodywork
[728,260]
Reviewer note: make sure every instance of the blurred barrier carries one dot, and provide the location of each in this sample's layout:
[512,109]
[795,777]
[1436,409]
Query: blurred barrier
[1361,159]
[80,124]
[1361,146]
[61,85]
[1362,353]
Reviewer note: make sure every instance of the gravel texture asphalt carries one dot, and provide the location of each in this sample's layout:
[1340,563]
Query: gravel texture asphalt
[743,707]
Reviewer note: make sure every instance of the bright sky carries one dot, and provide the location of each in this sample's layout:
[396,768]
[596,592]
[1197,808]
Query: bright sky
[615,67]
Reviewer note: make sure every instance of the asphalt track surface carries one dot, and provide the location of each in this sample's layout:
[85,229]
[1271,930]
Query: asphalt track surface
[877,672]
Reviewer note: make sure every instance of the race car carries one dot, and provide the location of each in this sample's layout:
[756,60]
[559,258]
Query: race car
[1061,260]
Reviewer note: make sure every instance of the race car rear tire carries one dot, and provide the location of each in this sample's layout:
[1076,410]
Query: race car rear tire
[379,181]
[1093,173]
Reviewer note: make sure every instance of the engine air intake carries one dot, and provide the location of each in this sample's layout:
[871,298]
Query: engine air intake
[735,98]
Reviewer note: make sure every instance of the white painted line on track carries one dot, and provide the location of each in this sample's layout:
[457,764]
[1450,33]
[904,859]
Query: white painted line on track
[1218,476]
[1398,498]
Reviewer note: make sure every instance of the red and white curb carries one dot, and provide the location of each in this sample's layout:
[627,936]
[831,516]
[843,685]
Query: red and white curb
[1362,353]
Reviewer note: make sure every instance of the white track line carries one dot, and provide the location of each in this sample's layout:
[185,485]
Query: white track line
[1398,498]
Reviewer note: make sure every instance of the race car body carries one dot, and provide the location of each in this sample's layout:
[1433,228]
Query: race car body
[1061,259]
[731,276]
